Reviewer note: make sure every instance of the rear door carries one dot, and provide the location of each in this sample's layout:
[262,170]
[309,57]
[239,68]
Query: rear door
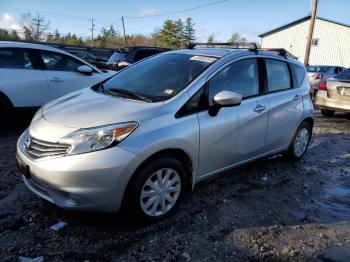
[285,102]
[62,75]
[22,81]
[234,134]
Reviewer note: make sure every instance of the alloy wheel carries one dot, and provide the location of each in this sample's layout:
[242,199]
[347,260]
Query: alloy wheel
[301,142]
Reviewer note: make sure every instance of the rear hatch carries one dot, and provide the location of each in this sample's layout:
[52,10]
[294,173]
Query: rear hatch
[338,89]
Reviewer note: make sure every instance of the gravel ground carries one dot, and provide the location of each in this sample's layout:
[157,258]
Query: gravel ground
[267,210]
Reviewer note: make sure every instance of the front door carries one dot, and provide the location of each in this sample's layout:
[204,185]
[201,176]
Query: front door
[62,75]
[234,134]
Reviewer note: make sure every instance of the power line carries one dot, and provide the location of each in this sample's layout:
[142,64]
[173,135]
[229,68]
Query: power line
[48,12]
[179,11]
[123,18]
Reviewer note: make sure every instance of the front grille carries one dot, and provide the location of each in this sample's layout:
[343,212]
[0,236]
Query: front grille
[37,149]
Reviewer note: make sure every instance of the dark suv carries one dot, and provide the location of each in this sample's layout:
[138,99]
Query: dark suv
[98,61]
[130,55]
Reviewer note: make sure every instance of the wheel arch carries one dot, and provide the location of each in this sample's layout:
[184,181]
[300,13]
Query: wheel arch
[175,153]
[4,100]
[310,121]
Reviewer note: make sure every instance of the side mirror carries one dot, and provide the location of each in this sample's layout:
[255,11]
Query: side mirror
[227,98]
[224,99]
[84,69]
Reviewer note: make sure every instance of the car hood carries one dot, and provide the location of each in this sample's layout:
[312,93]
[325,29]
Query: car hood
[87,108]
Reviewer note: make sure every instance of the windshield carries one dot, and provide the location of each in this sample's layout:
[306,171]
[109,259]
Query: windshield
[117,57]
[317,69]
[160,77]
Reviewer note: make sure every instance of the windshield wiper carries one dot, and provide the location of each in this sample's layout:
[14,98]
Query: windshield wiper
[127,93]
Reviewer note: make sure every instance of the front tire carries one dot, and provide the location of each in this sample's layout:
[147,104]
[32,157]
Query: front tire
[300,142]
[327,112]
[156,191]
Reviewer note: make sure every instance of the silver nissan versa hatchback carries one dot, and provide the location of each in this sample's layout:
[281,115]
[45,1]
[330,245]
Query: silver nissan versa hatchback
[141,139]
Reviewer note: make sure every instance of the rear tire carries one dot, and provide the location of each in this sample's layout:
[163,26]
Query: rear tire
[327,112]
[300,142]
[155,191]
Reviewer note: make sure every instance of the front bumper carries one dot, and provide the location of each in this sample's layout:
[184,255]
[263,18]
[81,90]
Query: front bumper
[93,181]
[324,102]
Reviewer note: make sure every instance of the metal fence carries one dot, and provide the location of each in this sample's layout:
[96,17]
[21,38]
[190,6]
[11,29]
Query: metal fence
[106,52]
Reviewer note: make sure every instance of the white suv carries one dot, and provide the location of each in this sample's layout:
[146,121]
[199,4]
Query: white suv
[32,75]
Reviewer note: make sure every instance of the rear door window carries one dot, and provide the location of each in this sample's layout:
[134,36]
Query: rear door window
[15,58]
[299,72]
[278,77]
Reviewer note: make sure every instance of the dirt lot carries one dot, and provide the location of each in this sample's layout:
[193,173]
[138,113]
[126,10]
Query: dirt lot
[268,210]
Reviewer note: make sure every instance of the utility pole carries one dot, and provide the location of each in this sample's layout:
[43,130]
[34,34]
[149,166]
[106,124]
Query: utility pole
[92,31]
[126,43]
[38,23]
[311,31]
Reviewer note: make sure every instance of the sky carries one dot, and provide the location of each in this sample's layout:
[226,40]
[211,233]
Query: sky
[247,17]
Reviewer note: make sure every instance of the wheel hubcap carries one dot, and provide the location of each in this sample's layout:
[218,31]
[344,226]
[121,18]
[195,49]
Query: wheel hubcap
[160,192]
[301,142]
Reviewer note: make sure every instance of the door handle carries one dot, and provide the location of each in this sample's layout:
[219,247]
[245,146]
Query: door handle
[297,97]
[56,79]
[259,108]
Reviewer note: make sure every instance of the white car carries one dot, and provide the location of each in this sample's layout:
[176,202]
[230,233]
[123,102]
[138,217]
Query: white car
[32,75]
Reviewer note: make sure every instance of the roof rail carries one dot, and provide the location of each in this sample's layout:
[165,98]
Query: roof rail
[280,51]
[249,46]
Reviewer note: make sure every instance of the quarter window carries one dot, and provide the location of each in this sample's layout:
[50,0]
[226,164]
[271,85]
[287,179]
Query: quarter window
[241,77]
[59,62]
[278,77]
[15,58]
[299,72]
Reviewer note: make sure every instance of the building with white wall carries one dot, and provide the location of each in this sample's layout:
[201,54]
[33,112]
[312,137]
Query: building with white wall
[330,41]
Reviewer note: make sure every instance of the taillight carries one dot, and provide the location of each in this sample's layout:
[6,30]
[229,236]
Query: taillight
[318,77]
[323,86]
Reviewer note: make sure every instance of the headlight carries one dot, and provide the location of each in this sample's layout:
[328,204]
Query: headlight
[97,138]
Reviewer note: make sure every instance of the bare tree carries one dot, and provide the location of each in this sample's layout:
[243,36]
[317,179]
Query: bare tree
[35,26]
